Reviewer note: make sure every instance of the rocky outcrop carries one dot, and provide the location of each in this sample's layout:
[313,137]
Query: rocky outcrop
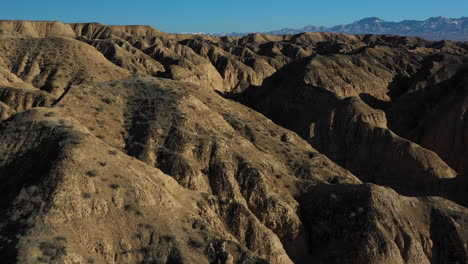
[438,120]
[344,219]
[81,181]
[58,208]
[358,139]
[22,99]
[52,64]
[210,145]
[122,54]
[37,29]
[183,64]
[237,75]
[354,132]
[99,31]
[5,111]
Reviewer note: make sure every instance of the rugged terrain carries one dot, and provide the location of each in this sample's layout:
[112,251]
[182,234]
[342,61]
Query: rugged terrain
[124,144]
[434,28]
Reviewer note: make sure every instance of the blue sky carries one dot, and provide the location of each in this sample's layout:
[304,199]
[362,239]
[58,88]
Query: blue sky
[227,16]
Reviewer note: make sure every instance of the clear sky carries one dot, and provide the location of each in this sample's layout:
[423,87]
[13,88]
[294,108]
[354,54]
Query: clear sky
[226,15]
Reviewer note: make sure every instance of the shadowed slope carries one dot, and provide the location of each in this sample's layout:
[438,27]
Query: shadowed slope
[209,144]
[59,208]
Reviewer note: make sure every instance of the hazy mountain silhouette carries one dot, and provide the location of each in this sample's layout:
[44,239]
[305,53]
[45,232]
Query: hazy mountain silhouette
[434,28]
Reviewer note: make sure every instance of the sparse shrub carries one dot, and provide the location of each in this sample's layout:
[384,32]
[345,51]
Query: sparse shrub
[103,163]
[146,226]
[249,133]
[92,173]
[168,238]
[91,260]
[273,133]
[138,236]
[42,259]
[286,137]
[132,208]
[143,250]
[52,250]
[63,124]
[86,195]
[99,109]
[197,224]
[114,186]
[100,136]
[113,152]
[60,238]
[107,100]
[49,114]
[195,243]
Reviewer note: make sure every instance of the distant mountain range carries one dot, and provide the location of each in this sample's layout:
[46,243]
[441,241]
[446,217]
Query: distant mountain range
[434,28]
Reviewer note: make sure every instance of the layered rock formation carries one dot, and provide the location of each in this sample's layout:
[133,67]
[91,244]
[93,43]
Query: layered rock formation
[343,112]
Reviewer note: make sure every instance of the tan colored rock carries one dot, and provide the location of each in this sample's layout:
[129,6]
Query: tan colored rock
[51,64]
[5,111]
[391,228]
[37,29]
[69,221]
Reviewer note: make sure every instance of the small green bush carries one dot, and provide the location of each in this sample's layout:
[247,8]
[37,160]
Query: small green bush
[195,243]
[132,208]
[99,109]
[146,226]
[92,173]
[168,238]
[107,100]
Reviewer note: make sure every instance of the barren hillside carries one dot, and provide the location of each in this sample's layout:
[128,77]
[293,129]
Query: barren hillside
[124,144]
